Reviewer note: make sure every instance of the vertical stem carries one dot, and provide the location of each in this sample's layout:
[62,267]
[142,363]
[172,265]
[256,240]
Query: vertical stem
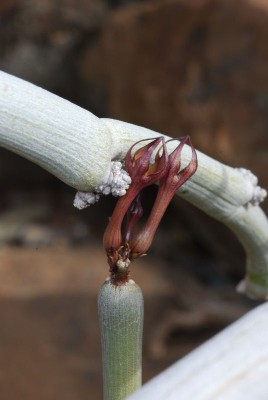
[121,325]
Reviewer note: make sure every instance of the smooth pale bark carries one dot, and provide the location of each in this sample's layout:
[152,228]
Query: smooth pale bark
[233,365]
[77,147]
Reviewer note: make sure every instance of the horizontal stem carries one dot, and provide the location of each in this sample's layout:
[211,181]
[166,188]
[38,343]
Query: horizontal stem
[66,140]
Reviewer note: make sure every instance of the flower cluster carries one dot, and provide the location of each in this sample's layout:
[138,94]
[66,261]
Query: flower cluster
[149,164]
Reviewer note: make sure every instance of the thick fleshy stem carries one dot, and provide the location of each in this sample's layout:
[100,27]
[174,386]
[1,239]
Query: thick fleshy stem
[121,326]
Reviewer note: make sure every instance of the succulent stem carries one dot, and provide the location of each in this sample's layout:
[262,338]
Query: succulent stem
[121,325]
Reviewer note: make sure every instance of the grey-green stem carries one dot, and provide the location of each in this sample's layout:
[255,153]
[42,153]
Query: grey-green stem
[121,325]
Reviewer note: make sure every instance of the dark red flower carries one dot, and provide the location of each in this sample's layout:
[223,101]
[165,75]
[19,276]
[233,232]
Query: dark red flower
[169,184]
[148,165]
[143,172]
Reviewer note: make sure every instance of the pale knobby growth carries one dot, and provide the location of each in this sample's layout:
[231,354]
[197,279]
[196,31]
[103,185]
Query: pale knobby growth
[117,184]
[259,193]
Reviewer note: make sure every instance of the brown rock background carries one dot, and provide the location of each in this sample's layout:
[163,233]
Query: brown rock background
[198,67]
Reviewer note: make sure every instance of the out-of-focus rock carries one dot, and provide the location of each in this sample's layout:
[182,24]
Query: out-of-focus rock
[39,38]
[35,236]
[14,224]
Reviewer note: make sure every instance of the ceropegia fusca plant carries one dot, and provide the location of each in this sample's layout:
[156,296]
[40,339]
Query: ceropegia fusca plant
[85,152]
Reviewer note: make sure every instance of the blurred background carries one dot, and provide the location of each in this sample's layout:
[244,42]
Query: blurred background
[197,67]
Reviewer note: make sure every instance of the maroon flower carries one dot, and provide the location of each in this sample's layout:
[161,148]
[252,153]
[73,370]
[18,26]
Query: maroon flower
[164,169]
[169,184]
[142,173]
